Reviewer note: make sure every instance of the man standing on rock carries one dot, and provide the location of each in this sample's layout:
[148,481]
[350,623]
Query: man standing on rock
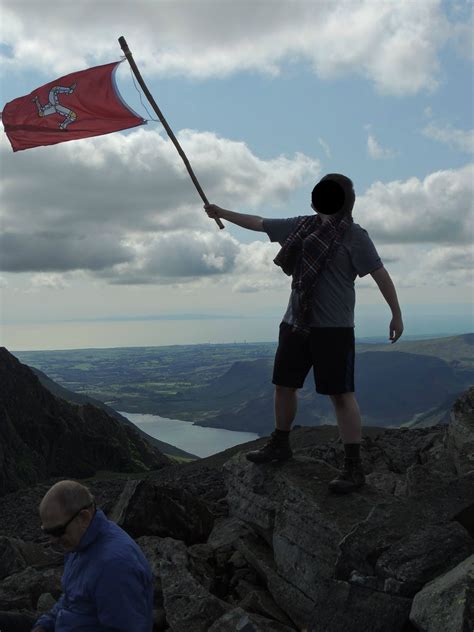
[107,581]
[323,253]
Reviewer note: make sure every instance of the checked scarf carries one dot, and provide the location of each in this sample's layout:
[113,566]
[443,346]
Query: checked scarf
[305,253]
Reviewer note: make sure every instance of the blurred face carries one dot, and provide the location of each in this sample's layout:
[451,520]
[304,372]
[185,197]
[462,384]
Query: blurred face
[66,530]
[327,199]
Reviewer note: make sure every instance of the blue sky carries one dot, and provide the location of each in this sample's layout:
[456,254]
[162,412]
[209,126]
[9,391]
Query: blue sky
[265,97]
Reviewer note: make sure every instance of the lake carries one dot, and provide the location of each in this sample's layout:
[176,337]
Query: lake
[185,435]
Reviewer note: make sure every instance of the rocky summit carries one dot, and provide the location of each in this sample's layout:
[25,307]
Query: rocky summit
[240,547]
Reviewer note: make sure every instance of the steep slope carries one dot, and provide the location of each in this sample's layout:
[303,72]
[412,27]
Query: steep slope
[77,398]
[43,436]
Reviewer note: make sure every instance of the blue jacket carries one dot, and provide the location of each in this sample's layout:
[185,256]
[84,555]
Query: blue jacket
[107,584]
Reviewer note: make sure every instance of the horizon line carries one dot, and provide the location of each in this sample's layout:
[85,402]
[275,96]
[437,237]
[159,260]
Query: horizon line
[186,316]
[413,338]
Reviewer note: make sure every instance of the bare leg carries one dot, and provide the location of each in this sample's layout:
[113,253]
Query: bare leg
[285,407]
[348,418]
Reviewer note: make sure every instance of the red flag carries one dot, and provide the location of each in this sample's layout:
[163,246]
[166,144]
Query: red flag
[79,105]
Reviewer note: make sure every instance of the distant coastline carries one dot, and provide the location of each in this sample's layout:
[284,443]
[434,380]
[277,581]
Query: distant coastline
[360,339]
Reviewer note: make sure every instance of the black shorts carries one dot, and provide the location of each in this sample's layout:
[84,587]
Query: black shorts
[329,350]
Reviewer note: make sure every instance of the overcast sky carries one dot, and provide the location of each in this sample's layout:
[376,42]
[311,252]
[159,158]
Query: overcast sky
[100,236]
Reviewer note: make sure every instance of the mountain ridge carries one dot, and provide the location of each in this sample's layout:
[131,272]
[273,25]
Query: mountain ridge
[42,435]
[78,398]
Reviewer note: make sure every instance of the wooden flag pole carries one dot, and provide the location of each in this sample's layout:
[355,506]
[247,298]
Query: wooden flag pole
[136,72]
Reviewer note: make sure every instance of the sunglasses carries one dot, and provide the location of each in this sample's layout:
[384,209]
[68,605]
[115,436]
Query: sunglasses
[57,532]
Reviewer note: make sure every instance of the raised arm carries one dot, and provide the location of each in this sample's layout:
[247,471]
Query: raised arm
[252,222]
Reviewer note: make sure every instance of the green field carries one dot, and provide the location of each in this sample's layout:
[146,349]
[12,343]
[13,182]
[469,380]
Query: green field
[165,381]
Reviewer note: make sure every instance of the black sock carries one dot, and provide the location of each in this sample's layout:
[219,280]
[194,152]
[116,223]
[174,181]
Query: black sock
[282,433]
[352,450]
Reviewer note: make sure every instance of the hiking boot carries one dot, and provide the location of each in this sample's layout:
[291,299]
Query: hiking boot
[350,478]
[277,448]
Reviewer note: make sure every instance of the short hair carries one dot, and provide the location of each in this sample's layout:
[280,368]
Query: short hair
[70,497]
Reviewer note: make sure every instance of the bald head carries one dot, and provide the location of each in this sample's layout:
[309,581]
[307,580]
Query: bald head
[64,499]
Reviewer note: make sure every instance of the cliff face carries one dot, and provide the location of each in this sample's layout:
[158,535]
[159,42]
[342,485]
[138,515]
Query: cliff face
[78,398]
[43,436]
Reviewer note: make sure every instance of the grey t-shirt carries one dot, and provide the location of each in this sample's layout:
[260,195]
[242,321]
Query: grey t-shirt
[334,294]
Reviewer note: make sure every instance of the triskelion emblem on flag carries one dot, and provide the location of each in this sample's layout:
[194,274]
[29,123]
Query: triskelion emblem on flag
[54,107]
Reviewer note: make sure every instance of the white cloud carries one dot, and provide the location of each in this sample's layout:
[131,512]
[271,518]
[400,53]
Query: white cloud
[254,269]
[175,257]
[460,139]
[422,229]
[437,268]
[435,210]
[123,206]
[423,226]
[376,151]
[394,45]
[50,281]
[325,146]
[58,251]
